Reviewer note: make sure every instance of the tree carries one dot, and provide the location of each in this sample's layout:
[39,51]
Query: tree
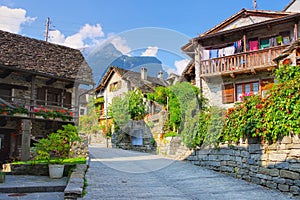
[89,123]
[127,107]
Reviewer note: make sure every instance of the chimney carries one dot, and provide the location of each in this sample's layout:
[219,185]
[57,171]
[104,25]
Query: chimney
[144,73]
[160,75]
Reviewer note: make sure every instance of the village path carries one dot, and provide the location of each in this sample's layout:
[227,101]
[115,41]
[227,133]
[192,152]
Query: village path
[120,174]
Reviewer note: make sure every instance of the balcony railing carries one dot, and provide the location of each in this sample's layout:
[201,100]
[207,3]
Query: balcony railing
[13,106]
[242,62]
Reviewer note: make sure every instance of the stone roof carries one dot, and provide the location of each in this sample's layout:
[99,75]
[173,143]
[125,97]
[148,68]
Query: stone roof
[134,78]
[42,57]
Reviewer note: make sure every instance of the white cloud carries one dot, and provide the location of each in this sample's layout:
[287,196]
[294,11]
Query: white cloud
[181,65]
[11,19]
[121,45]
[78,40]
[150,51]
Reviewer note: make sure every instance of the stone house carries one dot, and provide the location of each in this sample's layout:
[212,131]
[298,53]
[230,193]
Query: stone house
[235,58]
[116,82]
[40,80]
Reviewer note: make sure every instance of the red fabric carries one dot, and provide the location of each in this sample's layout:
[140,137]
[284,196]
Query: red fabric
[253,45]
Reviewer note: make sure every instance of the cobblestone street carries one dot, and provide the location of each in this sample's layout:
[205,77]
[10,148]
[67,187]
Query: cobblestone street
[120,174]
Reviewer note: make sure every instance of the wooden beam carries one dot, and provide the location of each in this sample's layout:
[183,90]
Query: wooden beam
[5,74]
[70,85]
[232,75]
[51,81]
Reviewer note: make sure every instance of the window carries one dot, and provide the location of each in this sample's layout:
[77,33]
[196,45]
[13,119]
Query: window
[82,111]
[232,93]
[115,86]
[54,97]
[246,89]
[5,94]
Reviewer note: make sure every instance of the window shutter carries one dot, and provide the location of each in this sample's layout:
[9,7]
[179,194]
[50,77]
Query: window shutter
[228,93]
[41,93]
[68,100]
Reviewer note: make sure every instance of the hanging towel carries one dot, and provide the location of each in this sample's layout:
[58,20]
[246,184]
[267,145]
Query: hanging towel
[229,50]
[279,39]
[205,54]
[264,43]
[253,45]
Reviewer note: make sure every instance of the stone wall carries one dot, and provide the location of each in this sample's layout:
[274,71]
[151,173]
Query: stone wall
[275,166]
[172,147]
[81,149]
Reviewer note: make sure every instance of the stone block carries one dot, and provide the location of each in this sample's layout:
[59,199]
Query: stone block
[297,182]
[295,190]
[296,139]
[262,176]
[264,157]
[271,184]
[279,180]
[286,140]
[254,148]
[283,188]
[251,162]
[293,146]
[238,159]
[255,157]
[254,168]
[277,157]
[288,174]
[282,165]
[274,172]
[245,154]
[295,153]
[263,170]
[255,180]
[294,167]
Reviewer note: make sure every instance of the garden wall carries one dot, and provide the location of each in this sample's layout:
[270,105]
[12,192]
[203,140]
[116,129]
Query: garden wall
[275,166]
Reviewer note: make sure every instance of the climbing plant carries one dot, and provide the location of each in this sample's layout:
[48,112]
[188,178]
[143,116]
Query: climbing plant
[272,117]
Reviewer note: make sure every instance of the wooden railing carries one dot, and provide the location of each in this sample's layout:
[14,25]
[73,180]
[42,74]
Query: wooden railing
[8,104]
[247,61]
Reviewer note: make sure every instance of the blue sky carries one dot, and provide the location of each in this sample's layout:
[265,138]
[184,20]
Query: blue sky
[84,24]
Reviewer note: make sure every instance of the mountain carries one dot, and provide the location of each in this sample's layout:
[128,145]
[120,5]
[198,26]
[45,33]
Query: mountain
[99,59]
[104,57]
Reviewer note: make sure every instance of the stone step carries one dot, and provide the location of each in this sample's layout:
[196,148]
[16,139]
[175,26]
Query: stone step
[30,184]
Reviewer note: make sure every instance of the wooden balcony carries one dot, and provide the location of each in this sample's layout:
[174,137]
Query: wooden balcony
[246,62]
[11,105]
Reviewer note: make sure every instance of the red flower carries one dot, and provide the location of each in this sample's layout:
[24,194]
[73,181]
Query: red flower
[3,105]
[4,113]
[258,106]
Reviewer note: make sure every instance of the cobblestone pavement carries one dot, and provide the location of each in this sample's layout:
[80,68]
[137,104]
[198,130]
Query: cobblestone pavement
[119,174]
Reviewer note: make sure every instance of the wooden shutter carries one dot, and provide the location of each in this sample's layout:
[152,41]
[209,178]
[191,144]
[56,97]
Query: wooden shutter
[40,95]
[228,93]
[67,99]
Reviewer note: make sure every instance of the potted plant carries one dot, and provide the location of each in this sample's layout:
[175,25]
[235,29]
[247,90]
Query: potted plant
[56,147]
[2,176]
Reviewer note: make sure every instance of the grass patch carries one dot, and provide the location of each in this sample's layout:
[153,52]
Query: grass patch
[80,160]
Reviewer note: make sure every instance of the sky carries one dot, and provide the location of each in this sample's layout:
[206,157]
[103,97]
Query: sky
[135,27]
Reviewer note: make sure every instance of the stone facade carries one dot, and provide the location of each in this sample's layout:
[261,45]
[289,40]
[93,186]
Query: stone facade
[276,166]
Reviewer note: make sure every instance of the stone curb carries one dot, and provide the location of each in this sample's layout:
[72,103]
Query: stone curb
[74,188]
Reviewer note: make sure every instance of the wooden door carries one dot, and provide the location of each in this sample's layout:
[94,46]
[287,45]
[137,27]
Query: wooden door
[5,138]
